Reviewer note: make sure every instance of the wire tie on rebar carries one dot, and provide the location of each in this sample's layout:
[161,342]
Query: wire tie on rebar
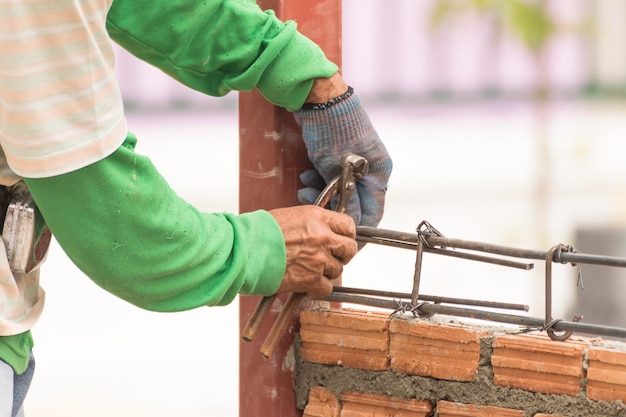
[569,249]
[558,337]
[563,336]
[559,250]
[526,330]
[401,307]
[425,229]
[580,283]
[416,310]
[550,325]
[549,329]
[557,254]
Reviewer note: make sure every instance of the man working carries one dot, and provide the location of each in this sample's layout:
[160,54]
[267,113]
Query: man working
[63,130]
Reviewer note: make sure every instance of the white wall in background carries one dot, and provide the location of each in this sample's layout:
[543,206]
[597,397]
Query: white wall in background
[389,48]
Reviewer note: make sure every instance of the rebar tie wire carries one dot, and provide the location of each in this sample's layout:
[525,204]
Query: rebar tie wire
[558,258]
[429,240]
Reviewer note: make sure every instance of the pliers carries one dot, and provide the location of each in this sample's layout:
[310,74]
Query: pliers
[353,168]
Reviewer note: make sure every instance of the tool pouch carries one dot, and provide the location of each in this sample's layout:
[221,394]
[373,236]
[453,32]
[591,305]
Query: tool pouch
[25,233]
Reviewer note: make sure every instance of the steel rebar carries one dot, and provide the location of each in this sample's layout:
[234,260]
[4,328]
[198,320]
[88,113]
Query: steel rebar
[529,322]
[445,242]
[451,253]
[430,240]
[431,298]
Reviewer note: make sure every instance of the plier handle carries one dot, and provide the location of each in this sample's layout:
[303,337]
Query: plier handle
[353,168]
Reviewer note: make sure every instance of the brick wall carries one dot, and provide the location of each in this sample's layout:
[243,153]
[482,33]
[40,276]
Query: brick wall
[355,363]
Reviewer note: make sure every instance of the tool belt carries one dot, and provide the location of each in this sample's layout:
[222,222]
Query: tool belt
[24,232]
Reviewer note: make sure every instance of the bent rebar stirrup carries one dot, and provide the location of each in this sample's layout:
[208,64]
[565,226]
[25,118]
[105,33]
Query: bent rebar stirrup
[427,239]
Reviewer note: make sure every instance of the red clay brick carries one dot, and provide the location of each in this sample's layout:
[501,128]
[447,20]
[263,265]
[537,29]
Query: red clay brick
[450,409]
[442,352]
[449,332]
[359,320]
[358,404]
[536,363]
[606,375]
[353,338]
[322,403]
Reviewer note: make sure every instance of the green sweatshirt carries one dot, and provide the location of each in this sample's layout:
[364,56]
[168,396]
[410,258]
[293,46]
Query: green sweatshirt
[216,46]
[118,219]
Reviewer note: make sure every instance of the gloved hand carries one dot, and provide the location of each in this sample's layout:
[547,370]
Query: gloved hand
[333,129]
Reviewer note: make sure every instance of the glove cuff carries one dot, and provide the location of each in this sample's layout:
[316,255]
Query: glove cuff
[329,103]
[339,124]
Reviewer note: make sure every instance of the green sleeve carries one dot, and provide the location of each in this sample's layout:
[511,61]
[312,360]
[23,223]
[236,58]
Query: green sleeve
[124,227]
[15,350]
[216,46]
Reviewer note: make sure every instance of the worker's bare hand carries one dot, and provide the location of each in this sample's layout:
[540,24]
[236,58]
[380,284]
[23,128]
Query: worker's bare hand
[319,243]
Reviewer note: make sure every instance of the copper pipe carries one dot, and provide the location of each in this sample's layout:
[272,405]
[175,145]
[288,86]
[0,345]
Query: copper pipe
[256,319]
[281,324]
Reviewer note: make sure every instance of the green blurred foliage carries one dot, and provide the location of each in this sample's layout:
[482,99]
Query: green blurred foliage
[527,21]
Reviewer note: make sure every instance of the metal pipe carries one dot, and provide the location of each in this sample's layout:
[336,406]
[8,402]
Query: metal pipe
[431,298]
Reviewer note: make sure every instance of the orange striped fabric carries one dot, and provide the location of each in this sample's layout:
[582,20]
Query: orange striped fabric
[60,106]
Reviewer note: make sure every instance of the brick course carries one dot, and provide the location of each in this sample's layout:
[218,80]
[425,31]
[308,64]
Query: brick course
[324,403]
[429,362]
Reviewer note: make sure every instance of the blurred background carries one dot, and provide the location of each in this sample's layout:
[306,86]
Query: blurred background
[506,120]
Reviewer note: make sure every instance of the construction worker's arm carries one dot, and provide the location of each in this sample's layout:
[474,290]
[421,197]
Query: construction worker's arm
[223,45]
[126,229]
[218,46]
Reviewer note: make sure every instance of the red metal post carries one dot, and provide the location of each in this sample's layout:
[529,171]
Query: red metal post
[271,157]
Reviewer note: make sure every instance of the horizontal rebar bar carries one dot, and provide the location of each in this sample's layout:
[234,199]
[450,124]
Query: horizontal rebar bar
[431,298]
[381,235]
[531,322]
[463,255]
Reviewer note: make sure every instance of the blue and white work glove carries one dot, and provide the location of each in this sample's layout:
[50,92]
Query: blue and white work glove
[333,129]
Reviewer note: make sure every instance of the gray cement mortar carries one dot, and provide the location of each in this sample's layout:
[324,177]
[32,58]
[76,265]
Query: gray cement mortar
[481,391]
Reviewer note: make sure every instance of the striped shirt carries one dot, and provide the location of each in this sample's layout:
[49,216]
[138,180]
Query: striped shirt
[60,106]
[60,110]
